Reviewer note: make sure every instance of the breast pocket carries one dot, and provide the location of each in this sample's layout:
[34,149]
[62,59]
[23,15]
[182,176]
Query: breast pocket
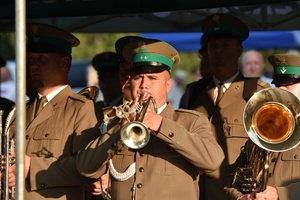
[290,160]
[233,125]
[47,142]
[53,133]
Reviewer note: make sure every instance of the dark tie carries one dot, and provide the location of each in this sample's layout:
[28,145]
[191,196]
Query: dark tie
[220,92]
[40,105]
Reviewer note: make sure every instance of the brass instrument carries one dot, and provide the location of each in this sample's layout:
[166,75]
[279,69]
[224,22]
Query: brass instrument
[7,147]
[271,122]
[135,134]
[90,92]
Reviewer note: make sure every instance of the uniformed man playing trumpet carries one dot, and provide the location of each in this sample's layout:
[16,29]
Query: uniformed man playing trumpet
[181,145]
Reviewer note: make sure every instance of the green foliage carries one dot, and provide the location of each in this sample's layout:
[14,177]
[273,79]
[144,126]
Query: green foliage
[7,46]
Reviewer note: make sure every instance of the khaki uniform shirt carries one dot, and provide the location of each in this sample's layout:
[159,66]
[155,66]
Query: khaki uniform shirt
[226,120]
[65,125]
[167,167]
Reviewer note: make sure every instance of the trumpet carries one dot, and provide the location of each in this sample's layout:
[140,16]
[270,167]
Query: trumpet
[271,122]
[135,134]
[7,147]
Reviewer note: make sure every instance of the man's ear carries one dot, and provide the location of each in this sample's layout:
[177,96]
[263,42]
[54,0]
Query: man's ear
[169,84]
[65,62]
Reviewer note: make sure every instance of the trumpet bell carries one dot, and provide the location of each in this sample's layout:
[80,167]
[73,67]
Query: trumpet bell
[135,135]
[271,119]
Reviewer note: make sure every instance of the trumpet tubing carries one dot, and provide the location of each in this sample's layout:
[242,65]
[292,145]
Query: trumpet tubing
[135,134]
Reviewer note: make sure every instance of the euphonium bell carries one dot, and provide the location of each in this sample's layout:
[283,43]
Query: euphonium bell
[135,134]
[271,119]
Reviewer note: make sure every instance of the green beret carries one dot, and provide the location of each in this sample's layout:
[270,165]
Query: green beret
[221,24]
[120,43]
[44,38]
[150,55]
[106,61]
[286,69]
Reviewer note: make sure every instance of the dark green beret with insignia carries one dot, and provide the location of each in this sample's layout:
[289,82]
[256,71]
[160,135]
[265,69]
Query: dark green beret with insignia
[120,43]
[286,69]
[44,38]
[106,61]
[221,24]
[150,55]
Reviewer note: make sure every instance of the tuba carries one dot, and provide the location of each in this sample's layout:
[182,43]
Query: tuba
[135,134]
[271,122]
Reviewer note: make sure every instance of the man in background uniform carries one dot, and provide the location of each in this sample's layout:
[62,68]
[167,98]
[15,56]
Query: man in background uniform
[107,67]
[223,97]
[284,174]
[58,122]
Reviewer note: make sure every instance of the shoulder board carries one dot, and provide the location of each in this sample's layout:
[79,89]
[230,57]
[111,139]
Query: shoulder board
[263,84]
[79,97]
[189,111]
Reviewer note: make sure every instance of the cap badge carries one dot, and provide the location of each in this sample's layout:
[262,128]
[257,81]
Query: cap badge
[281,60]
[36,39]
[216,19]
[142,46]
[34,28]
[283,70]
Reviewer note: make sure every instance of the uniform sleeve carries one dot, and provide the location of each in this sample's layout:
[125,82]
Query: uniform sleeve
[291,191]
[51,172]
[191,136]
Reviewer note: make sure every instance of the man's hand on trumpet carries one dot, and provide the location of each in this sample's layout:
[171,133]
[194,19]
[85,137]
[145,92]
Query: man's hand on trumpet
[151,119]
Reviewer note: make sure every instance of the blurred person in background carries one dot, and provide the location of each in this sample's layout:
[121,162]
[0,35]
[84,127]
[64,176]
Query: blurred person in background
[177,88]
[6,105]
[253,65]
[7,85]
[205,71]
[107,67]
[100,190]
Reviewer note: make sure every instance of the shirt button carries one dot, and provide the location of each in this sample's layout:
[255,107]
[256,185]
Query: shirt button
[43,185]
[141,153]
[171,134]
[273,160]
[46,135]
[236,120]
[296,156]
[139,185]
[141,169]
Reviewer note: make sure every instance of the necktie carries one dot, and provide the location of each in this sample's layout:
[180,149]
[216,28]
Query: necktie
[41,103]
[220,92]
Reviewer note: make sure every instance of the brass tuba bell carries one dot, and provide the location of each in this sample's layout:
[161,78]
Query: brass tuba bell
[271,119]
[135,134]
[271,122]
